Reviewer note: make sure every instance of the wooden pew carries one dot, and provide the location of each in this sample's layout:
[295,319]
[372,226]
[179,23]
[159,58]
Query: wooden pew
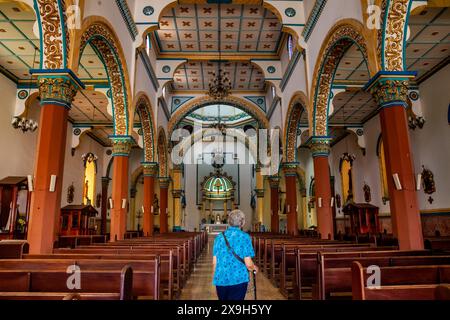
[169,275]
[100,284]
[179,263]
[145,275]
[74,241]
[299,264]
[334,275]
[307,266]
[13,249]
[403,283]
[49,296]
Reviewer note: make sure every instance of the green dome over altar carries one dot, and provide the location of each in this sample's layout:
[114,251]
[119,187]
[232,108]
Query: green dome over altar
[218,187]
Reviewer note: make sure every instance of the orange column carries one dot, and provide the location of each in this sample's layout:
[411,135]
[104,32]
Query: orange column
[320,150]
[121,151]
[274,204]
[390,92]
[150,171]
[164,195]
[56,97]
[290,173]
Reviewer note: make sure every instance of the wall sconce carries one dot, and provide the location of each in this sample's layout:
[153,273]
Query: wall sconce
[332,202]
[111,203]
[319,202]
[30,183]
[143,209]
[124,203]
[419,182]
[397,182]
[52,183]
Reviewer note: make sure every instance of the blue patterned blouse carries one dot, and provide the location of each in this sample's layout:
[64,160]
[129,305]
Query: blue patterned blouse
[229,270]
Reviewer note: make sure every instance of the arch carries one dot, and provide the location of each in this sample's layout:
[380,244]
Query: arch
[144,109]
[200,102]
[294,112]
[162,153]
[99,33]
[187,143]
[343,35]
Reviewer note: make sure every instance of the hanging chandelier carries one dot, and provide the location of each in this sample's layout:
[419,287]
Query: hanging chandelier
[220,85]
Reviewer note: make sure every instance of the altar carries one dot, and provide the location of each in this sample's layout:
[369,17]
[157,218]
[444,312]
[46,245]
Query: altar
[214,229]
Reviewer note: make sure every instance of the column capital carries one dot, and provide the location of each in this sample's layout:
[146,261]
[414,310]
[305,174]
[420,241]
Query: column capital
[177,167]
[150,169]
[259,193]
[122,145]
[290,168]
[274,182]
[164,182]
[390,88]
[319,146]
[177,193]
[57,87]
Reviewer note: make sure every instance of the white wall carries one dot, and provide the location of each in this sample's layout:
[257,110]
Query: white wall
[18,148]
[430,145]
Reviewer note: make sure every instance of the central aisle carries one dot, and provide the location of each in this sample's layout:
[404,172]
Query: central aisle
[199,285]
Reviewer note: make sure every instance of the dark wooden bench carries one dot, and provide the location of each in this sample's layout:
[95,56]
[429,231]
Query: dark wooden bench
[15,284]
[403,283]
[13,249]
[334,275]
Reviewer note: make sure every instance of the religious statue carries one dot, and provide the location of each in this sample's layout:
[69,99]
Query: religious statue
[429,187]
[98,202]
[338,201]
[367,194]
[70,193]
[155,205]
[218,220]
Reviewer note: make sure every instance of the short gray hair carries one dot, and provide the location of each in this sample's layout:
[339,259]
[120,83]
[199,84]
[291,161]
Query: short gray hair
[236,218]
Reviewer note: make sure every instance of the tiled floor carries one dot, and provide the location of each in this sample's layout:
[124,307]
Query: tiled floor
[199,285]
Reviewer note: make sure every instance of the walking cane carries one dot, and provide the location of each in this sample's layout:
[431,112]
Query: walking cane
[254,283]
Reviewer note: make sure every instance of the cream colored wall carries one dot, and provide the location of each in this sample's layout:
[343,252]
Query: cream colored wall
[18,148]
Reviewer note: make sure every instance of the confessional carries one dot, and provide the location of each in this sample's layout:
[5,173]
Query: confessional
[14,207]
[363,218]
[78,220]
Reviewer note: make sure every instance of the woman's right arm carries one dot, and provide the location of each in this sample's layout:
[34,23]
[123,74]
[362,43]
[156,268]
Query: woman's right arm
[250,265]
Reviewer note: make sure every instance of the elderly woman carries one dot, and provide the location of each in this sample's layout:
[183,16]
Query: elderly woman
[233,253]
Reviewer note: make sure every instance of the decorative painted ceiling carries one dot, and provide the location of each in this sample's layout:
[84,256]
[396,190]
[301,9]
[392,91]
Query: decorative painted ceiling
[90,106]
[195,30]
[196,75]
[429,41]
[19,46]
[91,67]
[352,107]
[352,67]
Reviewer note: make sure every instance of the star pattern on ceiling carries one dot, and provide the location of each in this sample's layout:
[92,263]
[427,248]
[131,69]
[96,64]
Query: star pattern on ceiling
[196,75]
[195,29]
